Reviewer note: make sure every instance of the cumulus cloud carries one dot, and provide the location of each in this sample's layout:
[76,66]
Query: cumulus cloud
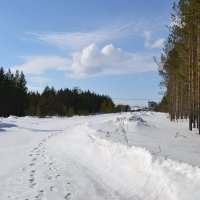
[152,45]
[91,61]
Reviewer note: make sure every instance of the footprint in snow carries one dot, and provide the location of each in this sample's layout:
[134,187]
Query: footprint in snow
[31,180]
[52,188]
[58,176]
[32,185]
[32,173]
[68,196]
[40,194]
[34,159]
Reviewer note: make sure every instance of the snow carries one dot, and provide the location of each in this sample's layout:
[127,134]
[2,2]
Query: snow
[135,156]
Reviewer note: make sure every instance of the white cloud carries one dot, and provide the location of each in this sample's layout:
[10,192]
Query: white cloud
[152,45]
[40,64]
[91,61]
[78,40]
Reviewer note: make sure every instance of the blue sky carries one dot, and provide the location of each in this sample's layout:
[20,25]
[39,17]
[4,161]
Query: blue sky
[106,46]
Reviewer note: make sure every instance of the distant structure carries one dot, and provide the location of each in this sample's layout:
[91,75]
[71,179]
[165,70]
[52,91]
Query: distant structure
[152,105]
[136,108]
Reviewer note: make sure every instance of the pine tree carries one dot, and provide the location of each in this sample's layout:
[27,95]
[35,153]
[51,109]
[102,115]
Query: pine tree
[180,63]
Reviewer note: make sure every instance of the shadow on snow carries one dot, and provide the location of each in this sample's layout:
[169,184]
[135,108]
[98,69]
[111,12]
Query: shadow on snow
[3,126]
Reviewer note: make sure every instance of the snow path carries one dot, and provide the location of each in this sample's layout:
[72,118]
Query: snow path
[94,158]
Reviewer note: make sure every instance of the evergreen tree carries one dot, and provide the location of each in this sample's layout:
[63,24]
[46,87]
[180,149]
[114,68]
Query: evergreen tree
[33,100]
[21,90]
[16,100]
[107,107]
[180,63]
[13,91]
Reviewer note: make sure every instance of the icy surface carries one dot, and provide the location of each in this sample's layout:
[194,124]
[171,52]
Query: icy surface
[129,156]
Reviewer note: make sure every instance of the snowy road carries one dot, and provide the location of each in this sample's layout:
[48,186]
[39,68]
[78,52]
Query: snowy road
[99,157]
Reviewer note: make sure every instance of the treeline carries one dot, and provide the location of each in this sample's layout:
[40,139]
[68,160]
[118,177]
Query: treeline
[180,64]
[13,93]
[66,102]
[16,100]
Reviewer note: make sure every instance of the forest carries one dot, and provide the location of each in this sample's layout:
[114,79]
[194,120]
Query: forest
[15,99]
[179,64]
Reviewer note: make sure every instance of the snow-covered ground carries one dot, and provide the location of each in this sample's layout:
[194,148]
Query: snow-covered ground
[129,156]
